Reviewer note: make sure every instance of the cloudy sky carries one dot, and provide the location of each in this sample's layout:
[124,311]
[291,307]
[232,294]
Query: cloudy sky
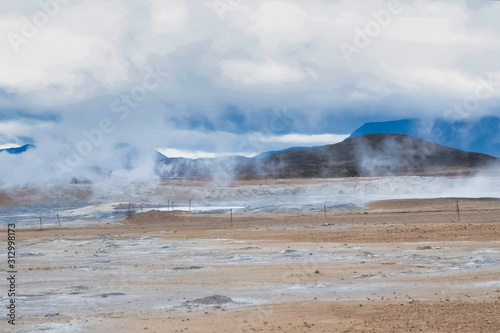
[211,77]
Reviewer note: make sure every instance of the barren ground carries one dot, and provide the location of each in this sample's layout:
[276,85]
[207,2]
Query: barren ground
[395,266]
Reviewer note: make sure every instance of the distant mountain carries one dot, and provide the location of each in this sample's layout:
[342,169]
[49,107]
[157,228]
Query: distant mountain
[17,150]
[375,155]
[476,135]
[368,155]
[371,155]
[403,126]
[267,153]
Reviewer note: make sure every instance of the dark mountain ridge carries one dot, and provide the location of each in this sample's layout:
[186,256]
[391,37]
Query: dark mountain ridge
[376,155]
[371,155]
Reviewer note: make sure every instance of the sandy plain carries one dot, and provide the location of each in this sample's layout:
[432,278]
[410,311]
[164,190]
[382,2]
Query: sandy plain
[393,266]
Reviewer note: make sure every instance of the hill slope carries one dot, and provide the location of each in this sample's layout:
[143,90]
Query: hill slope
[375,155]
[370,155]
[268,153]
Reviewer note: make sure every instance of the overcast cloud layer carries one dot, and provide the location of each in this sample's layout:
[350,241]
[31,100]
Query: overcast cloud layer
[205,78]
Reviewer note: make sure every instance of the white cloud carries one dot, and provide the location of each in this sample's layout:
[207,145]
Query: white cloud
[259,143]
[427,30]
[255,44]
[279,16]
[9,145]
[168,17]
[452,80]
[304,139]
[251,73]
[14,128]
[194,154]
[53,64]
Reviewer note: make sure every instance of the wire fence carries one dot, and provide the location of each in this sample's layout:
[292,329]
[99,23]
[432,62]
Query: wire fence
[128,209]
[49,217]
[170,205]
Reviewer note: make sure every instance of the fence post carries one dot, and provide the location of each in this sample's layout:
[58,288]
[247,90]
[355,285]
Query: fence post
[41,227]
[231,210]
[59,220]
[458,211]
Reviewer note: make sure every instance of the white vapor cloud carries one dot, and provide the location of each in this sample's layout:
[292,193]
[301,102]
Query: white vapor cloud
[315,140]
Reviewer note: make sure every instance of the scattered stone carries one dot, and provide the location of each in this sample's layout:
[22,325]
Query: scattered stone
[212,300]
[187,268]
[111,294]
[30,254]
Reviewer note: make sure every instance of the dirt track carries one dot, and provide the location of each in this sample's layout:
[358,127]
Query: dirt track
[396,266]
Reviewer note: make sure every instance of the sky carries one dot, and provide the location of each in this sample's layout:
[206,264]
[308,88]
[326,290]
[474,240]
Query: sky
[205,78]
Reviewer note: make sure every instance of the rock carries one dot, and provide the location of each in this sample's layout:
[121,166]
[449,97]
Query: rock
[212,300]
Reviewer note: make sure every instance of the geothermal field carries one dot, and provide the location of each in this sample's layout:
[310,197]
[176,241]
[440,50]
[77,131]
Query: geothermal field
[393,254]
[234,166]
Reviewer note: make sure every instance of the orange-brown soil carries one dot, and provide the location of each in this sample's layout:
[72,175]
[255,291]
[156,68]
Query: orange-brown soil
[395,266]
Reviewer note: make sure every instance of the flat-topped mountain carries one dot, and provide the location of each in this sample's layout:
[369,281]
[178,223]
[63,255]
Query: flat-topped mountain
[480,135]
